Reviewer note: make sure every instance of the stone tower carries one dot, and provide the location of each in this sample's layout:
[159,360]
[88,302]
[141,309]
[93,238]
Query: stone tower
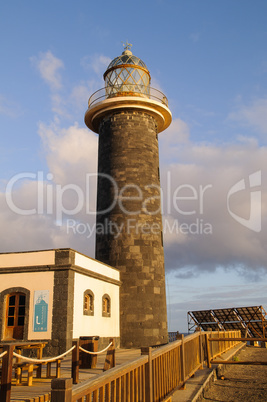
[128,115]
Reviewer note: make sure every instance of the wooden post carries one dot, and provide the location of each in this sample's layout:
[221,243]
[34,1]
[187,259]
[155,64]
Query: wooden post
[94,349]
[39,356]
[110,356]
[208,350]
[30,375]
[181,336]
[148,374]
[48,370]
[5,392]
[58,368]
[75,362]
[89,343]
[61,390]
[39,371]
[201,358]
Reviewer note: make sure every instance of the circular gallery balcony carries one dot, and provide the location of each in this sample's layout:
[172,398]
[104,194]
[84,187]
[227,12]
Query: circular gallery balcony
[125,96]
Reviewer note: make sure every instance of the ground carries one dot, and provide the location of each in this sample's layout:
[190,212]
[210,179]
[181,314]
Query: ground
[241,383]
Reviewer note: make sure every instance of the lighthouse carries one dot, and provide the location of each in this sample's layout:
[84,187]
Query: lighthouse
[128,114]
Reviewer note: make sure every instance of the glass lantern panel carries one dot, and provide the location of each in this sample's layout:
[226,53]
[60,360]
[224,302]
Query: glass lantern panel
[112,76]
[145,79]
[130,70]
[130,80]
[124,74]
[136,75]
[124,58]
[127,79]
[135,60]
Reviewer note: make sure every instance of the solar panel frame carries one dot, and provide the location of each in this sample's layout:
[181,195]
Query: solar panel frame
[251,320]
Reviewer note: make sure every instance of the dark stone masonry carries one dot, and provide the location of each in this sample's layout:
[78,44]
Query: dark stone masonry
[129,222]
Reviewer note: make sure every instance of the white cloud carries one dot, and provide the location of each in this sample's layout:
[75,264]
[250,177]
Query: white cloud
[48,66]
[171,140]
[205,173]
[67,102]
[98,63]
[37,231]
[8,107]
[65,193]
[71,152]
[253,115]
[80,94]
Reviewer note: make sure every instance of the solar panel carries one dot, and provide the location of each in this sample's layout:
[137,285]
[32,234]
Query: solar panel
[250,320]
[212,326]
[225,314]
[204,316]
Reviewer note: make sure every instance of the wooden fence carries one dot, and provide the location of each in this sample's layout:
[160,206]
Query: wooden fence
[153,376]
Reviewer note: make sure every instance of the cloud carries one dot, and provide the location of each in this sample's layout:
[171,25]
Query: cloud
[171,141]
[253,115]
[8,107]
[67,102]
[37,231]
[48,66]
[56,209]
[98,63]
[71,152]
[196,178]
[207,298]
[80,94]
[45,209]
[199,232]
[221,289]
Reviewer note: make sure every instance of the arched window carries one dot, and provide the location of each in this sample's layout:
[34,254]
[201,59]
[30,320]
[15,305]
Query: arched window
[106,308]
[88,302]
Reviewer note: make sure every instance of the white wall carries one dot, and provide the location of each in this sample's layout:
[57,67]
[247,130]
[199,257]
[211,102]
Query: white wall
[96,266]
[31,258]
[32,281]
[96,325]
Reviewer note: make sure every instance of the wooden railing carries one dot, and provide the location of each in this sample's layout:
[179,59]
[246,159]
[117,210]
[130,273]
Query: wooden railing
[151,377]
[216,348]
[173,336]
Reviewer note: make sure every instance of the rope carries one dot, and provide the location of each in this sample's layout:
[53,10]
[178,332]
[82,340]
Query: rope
[3,354]
[44,360]
[95,353]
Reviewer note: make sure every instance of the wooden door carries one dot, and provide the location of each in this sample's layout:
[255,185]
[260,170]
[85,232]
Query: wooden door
[15,316]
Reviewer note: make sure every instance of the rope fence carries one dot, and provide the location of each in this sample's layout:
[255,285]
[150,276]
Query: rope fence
[95,353]
[52,359]
[26,363]
[3,354]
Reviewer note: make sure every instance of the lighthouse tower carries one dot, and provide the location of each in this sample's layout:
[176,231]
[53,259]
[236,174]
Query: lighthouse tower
[128,115]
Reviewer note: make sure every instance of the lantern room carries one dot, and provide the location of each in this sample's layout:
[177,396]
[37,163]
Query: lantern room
[127,75]
[127,86]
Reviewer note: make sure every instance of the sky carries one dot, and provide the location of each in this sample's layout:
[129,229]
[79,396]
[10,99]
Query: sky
[210,59]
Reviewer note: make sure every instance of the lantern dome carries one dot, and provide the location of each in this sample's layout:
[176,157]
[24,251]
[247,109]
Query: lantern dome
[127,75]
[127,86]
[127,58]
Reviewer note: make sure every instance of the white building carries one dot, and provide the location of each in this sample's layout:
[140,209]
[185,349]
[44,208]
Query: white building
[57,296]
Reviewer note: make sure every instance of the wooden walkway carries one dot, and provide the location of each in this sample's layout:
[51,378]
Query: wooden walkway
[43,386]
